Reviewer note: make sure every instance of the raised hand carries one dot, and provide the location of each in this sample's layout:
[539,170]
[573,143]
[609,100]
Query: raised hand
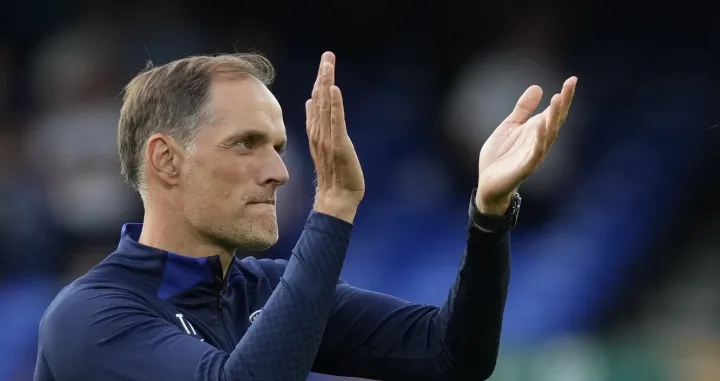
[518,146]
[340,181]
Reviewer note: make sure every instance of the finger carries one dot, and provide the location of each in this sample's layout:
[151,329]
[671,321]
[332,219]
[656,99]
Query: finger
[329,57]
[311,128]
[525,106]
[337,113]
[326,81]
[308,116]
[568,93]
[537,152]
[317,101]
[326,57]
[313,113]
[552,120]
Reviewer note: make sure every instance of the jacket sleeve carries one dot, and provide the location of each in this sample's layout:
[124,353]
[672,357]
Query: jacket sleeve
[112,335]
[376,336]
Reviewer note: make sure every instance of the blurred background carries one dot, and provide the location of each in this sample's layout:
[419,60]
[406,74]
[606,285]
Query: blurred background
[616,269]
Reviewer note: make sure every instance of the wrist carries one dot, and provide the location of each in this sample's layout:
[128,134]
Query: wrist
[343,208]
[496,207]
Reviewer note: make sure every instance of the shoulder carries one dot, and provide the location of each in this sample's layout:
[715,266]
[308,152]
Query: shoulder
[124,271]
[272,269]
[79,306]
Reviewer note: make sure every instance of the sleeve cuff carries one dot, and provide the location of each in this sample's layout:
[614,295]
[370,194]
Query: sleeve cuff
[329,225]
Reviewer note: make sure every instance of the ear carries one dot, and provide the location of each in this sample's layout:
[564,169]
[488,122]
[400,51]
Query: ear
[164,157]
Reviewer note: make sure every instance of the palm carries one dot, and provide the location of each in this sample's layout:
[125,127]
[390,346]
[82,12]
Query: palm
[518,146]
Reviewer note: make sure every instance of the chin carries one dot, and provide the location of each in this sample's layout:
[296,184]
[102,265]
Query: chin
[262,236]
[260,243]
[256,232]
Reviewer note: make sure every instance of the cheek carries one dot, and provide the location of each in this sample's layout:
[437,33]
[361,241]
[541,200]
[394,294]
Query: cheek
[226,178]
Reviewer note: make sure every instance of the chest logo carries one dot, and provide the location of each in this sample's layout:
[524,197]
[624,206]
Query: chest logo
[254,316]
[189,329]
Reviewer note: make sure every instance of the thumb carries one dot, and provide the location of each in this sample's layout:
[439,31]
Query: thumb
[526,105]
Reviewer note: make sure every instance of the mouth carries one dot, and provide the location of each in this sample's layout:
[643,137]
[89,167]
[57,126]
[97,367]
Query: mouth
[263,202]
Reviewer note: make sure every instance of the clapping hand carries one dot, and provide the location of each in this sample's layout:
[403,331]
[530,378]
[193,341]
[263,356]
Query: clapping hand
[518,146]
[340,181]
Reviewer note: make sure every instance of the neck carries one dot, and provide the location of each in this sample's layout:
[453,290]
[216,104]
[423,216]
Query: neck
[170,232]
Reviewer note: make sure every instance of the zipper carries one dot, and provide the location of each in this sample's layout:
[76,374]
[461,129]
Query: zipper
[222,282]
[220,293]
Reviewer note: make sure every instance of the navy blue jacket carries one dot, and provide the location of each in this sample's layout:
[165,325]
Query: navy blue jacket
[145,314]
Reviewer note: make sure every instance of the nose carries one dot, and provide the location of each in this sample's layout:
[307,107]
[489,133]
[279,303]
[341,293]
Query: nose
[275,171]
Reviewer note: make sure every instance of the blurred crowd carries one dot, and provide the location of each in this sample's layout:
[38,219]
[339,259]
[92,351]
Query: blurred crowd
[615,260]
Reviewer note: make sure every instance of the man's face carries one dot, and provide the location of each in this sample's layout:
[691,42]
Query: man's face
[228,183]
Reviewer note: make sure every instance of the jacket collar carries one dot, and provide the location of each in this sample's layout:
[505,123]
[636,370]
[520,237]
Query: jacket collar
[179,273]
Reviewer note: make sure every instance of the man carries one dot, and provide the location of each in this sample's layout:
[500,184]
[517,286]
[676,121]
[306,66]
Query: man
[201,139]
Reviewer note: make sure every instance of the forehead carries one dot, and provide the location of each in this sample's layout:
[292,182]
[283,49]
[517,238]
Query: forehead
[245,103]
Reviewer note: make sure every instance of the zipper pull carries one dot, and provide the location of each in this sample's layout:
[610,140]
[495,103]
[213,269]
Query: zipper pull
[221,292]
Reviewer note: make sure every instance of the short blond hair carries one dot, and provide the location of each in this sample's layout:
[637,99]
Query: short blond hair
[173,99]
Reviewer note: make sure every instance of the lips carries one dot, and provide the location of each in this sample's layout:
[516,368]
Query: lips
[269,202]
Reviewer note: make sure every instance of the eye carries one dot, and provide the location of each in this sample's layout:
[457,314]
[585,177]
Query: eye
[247,143]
